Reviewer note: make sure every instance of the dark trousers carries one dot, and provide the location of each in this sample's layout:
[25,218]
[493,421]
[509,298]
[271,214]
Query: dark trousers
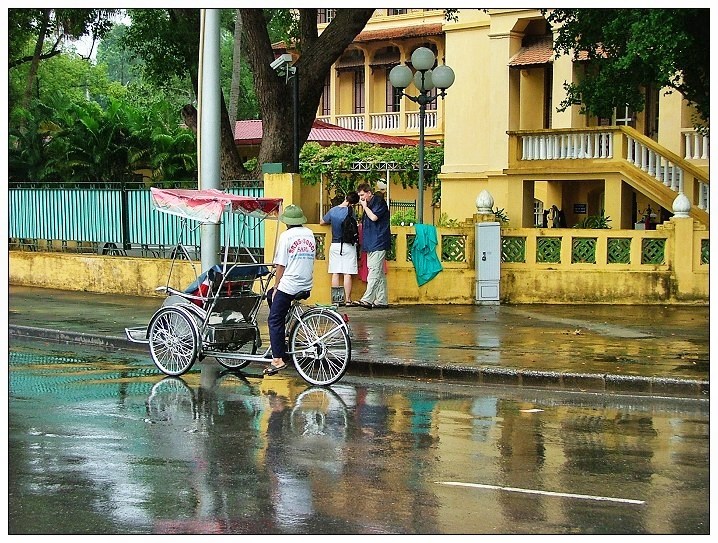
[279,303]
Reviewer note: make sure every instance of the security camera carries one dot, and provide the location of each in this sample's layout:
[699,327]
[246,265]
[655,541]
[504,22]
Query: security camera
[281,62]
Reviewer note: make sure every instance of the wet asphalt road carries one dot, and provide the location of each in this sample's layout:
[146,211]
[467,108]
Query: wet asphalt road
[101,443]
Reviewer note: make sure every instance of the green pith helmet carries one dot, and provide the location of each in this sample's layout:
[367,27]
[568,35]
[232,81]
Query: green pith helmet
[293,215]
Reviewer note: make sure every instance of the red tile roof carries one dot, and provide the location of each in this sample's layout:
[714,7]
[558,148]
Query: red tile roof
[417,31]
[250,133]
[400,32]
[539,52]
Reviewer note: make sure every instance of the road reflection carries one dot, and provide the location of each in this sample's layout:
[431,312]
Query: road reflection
[97,444]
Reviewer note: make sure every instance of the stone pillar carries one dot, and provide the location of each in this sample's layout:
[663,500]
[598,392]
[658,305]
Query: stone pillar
[484,207]
[681,255]
[288,187]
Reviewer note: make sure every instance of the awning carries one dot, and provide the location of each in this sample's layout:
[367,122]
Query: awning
[416,31]
[534,54]
[350,60]
[386,57]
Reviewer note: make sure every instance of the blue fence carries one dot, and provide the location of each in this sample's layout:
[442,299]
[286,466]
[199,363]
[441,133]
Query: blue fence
[112,219]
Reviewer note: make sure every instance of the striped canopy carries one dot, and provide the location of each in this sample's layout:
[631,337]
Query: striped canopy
[208,205]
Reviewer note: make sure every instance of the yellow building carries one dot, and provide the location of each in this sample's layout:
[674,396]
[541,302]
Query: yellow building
[500,126]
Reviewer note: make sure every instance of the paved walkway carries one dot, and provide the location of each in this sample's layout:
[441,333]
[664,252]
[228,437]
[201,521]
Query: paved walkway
[661,350]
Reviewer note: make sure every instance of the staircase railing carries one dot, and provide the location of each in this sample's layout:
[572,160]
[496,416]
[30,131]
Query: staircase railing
[619,143]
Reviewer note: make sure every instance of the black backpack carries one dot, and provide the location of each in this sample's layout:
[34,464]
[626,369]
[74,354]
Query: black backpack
[350,229]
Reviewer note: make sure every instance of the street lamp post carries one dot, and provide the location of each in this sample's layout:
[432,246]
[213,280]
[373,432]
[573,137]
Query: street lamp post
[425,80]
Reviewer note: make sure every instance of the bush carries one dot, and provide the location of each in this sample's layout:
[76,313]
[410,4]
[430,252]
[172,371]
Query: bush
[596,222]
[406,216]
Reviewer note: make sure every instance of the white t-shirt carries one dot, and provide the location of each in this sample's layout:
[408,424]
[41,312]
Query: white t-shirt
[295,251]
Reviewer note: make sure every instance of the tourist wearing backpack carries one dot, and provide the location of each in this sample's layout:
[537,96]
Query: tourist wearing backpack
[343,250]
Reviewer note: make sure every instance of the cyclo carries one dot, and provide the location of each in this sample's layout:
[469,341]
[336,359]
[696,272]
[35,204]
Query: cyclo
[216,315]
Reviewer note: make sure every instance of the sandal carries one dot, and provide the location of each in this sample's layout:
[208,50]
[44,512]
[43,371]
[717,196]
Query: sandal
[365,305]
[272,369]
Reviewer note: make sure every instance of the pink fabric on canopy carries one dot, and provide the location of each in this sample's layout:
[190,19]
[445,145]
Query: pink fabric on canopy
[208,205]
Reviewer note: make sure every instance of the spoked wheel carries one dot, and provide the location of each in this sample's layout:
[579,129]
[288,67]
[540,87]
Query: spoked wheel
[319,411]
[323,333]
[171,401]
[174,340]
[248,347]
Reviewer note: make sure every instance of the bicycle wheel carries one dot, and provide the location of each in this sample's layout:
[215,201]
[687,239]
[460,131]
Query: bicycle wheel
[171,401]
[324,333]
[249,346]
[319,411]
[174,340]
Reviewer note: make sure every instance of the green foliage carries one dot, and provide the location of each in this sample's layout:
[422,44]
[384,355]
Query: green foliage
[335,163]
[122,66]
[445,221]
[633,48]
[501,215]
[168,45]
[247,106]
[61,142]
[24,26]
[405,217]
[596,222]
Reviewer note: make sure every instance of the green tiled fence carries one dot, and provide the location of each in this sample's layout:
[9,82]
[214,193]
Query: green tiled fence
[111,216]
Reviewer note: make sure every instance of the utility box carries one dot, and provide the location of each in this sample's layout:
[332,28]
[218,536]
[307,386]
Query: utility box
[488,262]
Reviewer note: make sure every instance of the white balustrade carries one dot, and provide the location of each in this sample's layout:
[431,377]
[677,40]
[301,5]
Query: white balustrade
[696,145]
[384,121]
[703,196]
[413,122]
[567,146]
[577,145]
[352,122]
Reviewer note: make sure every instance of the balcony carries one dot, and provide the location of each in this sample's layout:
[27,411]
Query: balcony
[406,123]
[661,173]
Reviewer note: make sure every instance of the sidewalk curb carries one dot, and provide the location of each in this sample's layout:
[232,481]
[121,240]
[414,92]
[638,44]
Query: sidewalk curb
[584,382]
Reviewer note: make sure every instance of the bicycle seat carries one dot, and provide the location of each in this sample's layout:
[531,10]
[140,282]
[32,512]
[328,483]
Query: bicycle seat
[303,295]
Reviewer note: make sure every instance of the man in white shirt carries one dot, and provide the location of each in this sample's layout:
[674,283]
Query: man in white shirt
[294,260]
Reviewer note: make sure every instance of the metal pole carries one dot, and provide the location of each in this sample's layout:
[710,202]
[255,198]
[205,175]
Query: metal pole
[125,211]
[422,114]
[209,127]
[296,120]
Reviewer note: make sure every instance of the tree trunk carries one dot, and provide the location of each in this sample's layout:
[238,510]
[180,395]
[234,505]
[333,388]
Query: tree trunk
[236,68]
[318,53]
[231,166]
[32,75]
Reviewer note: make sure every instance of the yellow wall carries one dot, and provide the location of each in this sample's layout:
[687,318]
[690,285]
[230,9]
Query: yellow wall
[682,278]
[488,99]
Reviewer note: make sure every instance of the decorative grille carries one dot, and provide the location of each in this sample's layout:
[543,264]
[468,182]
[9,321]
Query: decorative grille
[653,251]
[705,244]
[391,254]
[513,249]
[409,244]
[320,241]
[583,251]
[548,250]
[453,248]
[619,251]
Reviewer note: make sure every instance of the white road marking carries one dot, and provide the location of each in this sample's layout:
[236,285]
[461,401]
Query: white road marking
[543,492]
